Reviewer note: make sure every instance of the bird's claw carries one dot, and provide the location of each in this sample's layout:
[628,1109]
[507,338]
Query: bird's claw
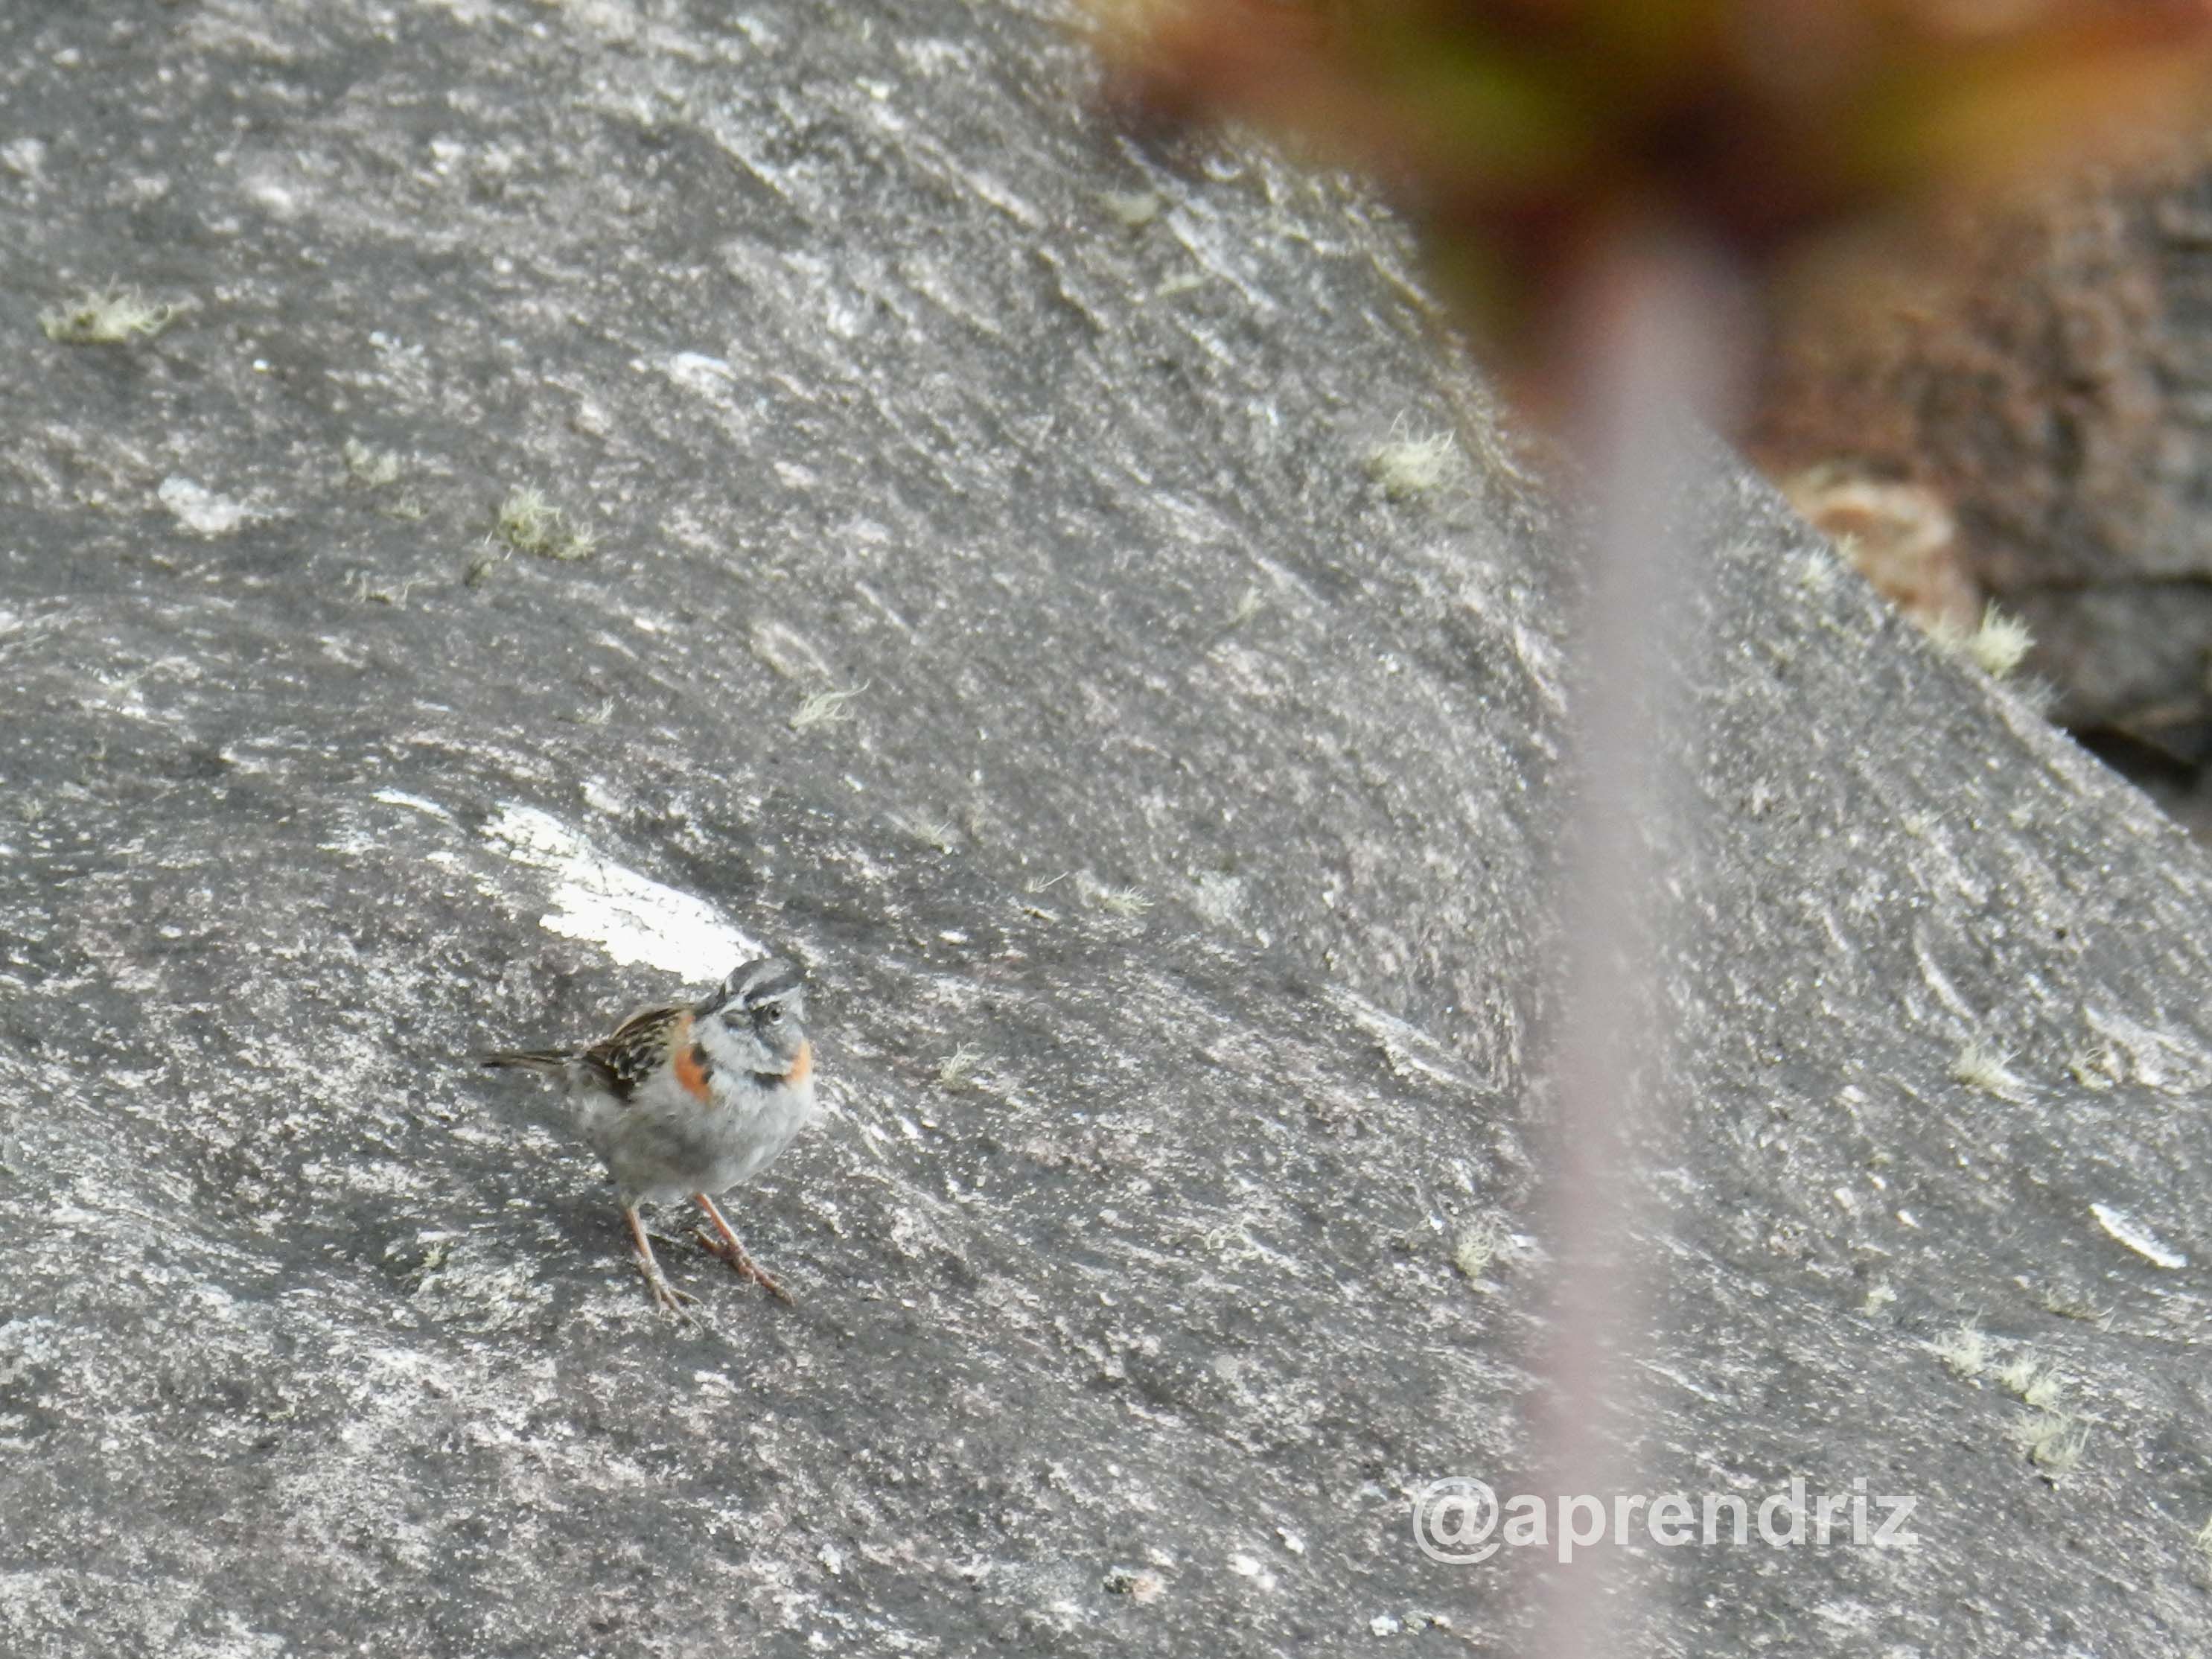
[665,1294]
[743,1265]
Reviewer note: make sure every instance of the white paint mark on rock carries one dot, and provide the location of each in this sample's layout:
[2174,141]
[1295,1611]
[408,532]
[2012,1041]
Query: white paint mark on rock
[631,917]
[2136,1237]
[199,509]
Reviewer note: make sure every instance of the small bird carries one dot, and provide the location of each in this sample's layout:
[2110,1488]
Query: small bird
[688,1100]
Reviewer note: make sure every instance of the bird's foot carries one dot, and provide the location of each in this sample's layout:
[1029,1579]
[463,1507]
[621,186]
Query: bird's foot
[664,1293]
[734,1253]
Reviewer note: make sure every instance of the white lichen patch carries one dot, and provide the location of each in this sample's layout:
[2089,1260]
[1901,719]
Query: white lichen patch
[1413,466]
[200,510]
[529,523]
[939,832]
[114,316]
[370,467]
[1964,1352]
[1098,894]
[2031,1382]
[2069,1303]
[1817,570]
[1980,1066]
[2167,1061]
[2052,1441]
[1477,1246]
[1996,644]
[824,708]
[633,918]
[2137,1237]
[1121,901]
[1133,208]
[957,1068]
[366,588]
[2100,1068]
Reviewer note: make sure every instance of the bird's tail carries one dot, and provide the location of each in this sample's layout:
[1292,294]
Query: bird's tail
[529,1060]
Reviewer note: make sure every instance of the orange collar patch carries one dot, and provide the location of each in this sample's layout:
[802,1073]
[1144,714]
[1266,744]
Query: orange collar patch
[690,1064]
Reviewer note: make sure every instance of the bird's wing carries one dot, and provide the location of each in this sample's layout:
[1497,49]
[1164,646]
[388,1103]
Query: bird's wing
[640,1047]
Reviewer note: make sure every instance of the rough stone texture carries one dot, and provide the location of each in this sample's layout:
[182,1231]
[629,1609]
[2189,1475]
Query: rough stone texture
[876,365]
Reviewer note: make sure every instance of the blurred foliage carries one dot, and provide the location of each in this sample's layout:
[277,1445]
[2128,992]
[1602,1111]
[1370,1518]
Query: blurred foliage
[1530,136]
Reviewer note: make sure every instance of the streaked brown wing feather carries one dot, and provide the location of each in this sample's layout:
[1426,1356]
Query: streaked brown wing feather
[638,1047]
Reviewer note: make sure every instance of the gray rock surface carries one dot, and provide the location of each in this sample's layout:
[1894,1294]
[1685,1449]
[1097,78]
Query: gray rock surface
[1198,793]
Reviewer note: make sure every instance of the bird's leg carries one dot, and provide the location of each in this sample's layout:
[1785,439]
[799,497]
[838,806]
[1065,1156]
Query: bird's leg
[663,1292]
[723,1242]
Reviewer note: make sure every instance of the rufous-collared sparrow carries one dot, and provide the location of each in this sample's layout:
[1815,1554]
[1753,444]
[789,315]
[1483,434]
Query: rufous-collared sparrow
[690,1099]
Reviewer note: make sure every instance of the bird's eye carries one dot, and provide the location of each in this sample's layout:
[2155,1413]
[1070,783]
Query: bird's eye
[771,1015]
